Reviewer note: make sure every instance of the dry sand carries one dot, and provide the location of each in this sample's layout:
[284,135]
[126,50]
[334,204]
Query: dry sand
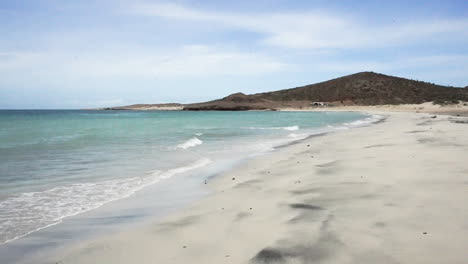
[393,192]
[428,107]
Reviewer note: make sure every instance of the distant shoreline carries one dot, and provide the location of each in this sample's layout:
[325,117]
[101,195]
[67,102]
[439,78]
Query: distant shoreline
[429,107]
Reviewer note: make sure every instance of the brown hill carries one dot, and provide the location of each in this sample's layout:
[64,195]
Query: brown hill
[365,88]
[169,106]
[235,102]
[369,88]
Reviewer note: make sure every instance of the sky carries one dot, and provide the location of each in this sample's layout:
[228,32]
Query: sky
[58,54]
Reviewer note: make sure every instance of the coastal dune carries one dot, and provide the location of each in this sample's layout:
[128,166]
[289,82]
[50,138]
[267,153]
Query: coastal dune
[392,192]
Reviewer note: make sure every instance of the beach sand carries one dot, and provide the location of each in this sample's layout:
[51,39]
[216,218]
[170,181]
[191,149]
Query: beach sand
[392,192]
[460,109]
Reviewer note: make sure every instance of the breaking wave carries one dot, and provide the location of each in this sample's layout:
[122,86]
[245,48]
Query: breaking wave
[290,128]
[33,211]
[193,142]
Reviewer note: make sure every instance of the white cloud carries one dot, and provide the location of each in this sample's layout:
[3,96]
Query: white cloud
[191,60]
[316,29]
[201,60]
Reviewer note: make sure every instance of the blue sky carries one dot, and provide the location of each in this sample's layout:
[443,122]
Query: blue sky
[79,54]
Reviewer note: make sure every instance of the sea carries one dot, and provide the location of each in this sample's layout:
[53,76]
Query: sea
[58,164]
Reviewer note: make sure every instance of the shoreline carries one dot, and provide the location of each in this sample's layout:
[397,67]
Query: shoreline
[427,107]
[69,225]
[310,194]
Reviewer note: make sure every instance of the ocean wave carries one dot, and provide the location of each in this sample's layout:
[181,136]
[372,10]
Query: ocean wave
[28,212]
[193,142]
[366,121]
[290,128]
[169,173]
[357,123]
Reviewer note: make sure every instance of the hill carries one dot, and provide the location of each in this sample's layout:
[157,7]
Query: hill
[170,106]
[369,88]
[364,88]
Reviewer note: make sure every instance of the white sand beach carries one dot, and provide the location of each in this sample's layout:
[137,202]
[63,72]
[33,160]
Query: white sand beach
[450,109]
[392,192]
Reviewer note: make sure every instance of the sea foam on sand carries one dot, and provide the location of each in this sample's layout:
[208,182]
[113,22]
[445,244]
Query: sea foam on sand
[49,207]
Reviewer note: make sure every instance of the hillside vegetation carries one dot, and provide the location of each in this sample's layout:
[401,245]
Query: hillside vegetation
[364,88]
[369,88]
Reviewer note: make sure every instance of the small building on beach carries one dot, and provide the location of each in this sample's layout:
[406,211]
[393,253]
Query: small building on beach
[318,104]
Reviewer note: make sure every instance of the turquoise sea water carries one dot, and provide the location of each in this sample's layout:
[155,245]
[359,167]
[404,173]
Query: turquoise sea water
[58,163]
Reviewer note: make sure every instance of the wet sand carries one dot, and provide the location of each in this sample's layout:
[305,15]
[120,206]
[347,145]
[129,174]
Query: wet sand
[393,192]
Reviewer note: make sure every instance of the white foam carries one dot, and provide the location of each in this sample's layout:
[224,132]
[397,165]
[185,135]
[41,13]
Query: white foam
[358,123]
[364,122]
[292,137]
[193,142]
[25,213]
[167,174]
[290,128]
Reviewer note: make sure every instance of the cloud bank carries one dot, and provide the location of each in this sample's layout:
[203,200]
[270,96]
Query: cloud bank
[316,30]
